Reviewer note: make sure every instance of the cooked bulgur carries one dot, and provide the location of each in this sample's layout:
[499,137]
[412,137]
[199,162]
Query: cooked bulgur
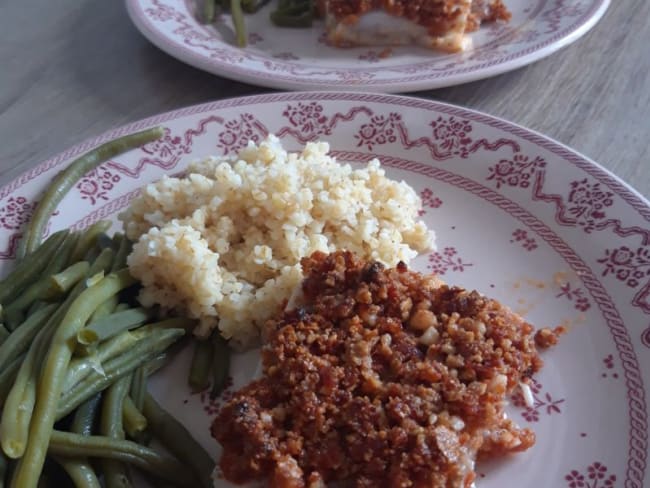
[224,242]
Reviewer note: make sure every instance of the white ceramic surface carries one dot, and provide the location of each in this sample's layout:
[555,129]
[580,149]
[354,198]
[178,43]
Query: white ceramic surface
[298,59]
[518,216]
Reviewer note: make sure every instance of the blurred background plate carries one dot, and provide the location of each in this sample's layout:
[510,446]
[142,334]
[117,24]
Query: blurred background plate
[298,59]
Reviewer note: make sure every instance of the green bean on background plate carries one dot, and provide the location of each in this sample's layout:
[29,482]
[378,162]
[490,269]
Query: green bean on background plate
[69,177]
[239,24]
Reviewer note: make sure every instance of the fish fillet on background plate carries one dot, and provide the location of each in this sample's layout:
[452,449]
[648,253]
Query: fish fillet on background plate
[436,24]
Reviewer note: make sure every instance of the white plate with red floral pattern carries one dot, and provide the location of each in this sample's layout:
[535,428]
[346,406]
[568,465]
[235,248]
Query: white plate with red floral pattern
[298,59]
[518,216]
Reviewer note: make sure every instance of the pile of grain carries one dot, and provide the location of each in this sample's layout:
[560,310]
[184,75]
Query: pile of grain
[224,242]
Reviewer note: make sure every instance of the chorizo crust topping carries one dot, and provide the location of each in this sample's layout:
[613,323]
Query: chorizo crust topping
[433,14]
[382,378]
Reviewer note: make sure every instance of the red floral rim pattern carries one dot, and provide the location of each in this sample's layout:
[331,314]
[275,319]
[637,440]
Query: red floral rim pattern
[452,138]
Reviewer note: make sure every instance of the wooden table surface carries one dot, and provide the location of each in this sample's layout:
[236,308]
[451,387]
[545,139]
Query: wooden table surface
[74,68]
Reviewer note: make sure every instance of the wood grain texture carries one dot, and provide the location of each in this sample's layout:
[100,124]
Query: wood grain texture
[74,68]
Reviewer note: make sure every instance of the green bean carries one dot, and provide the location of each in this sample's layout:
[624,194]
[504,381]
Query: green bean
[123,251]
[121,307]
[4,467]
[64,281]
[111,325]
[302,20]
[22,397]
[13,317]
[20,339]
[105,309]
[69,177]
[173,323]
[161,466]
[24,389]
[28,270]
[80,368]
[157,363]
[139,387]
[209,11]
[82,423]
[104,241]
[144,350]
[53,374]
[92,253]
[293,13]
[84,417]
[134,422]
[19,405]
[115,475]
[79,471]
[199,378]
[89,239]
[102,263]
[238,22]
[176,438]
[252,6]
[4,334]
[42,288]
[35,307]
[8,376]
[220,365]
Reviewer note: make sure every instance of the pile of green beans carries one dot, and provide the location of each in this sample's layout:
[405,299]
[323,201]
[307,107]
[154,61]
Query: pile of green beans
[45,381]
[75,354]
[288,13]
